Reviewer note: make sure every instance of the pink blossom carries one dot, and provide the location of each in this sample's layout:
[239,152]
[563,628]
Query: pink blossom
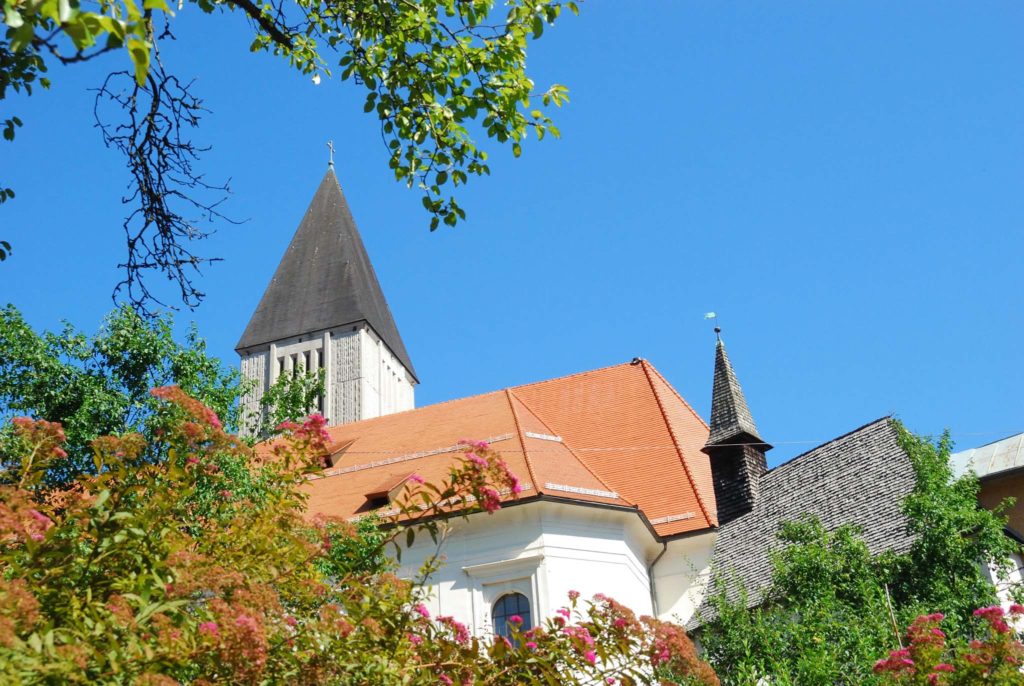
[477,460]
[515,619]
[291,621]
[590,656]
[574,595]
[39,517]
[530,645]
[416,479]
[989,612]
[458,628]
[564,611]
[491,499]
[209,628]
[445,679]
[609,680]
[422,610]
[415,639]
[245,621]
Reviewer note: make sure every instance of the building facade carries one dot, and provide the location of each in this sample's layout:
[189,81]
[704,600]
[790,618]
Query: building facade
[626,491]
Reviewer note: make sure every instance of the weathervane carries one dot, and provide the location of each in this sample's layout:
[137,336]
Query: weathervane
[330,146]
[718,329]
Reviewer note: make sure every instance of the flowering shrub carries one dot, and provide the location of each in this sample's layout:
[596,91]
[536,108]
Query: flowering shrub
[832,607]
[136,575]
[996,658]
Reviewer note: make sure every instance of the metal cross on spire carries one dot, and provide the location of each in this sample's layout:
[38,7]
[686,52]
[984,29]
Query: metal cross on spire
[330,146]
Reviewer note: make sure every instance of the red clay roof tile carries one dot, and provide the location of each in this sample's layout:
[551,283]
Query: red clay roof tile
[619,435]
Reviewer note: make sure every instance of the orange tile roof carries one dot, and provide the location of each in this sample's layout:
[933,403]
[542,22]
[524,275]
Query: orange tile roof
[619,435]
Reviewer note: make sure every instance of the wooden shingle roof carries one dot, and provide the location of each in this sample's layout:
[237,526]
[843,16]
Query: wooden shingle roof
[860,479]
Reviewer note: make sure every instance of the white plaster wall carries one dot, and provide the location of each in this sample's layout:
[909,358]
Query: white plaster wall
[681,576]
[385,386]
[542,550]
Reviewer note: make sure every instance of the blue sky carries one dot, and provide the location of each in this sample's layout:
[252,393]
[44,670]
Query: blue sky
[841,182]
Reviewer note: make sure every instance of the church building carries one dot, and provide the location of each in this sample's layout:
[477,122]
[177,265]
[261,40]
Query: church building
[626,490]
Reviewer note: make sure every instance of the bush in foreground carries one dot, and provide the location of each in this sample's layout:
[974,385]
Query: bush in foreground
[185,571]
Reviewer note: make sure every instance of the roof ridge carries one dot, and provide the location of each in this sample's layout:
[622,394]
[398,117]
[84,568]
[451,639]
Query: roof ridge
[804,454]
[675,441]
[573,375]
[1019,435]
[411,409]
[567,447]
[482,394]
[522,443]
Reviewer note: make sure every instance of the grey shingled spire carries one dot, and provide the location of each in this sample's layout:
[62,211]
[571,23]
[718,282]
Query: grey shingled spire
[735,449]
[730,416]
[324,280]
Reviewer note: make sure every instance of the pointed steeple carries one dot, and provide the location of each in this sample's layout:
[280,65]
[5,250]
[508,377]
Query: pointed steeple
[325,280]
[731,420]
[734,448]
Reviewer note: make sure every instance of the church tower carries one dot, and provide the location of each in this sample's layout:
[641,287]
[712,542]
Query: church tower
[324,309]
[735,450]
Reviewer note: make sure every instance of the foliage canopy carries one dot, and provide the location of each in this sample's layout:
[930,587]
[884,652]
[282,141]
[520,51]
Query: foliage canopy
[124,578]
[832,608]
[99,385]
[437,74]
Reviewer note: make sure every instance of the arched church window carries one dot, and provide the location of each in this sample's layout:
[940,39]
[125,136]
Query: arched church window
[505,608]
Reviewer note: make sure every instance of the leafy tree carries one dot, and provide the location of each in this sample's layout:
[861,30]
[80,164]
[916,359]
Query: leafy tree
[121,579]
[832,608]
[290,397]
[436,73]
[99,385]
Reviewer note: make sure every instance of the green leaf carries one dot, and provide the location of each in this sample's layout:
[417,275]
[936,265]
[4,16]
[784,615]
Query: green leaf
[139,51]
[64,11]
[11,16]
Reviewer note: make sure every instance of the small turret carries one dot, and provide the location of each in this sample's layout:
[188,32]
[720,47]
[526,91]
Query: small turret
[736,450]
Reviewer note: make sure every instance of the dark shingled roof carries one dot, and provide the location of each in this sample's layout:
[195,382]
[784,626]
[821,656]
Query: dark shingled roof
[730,416]
[860,479]
[325,279]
